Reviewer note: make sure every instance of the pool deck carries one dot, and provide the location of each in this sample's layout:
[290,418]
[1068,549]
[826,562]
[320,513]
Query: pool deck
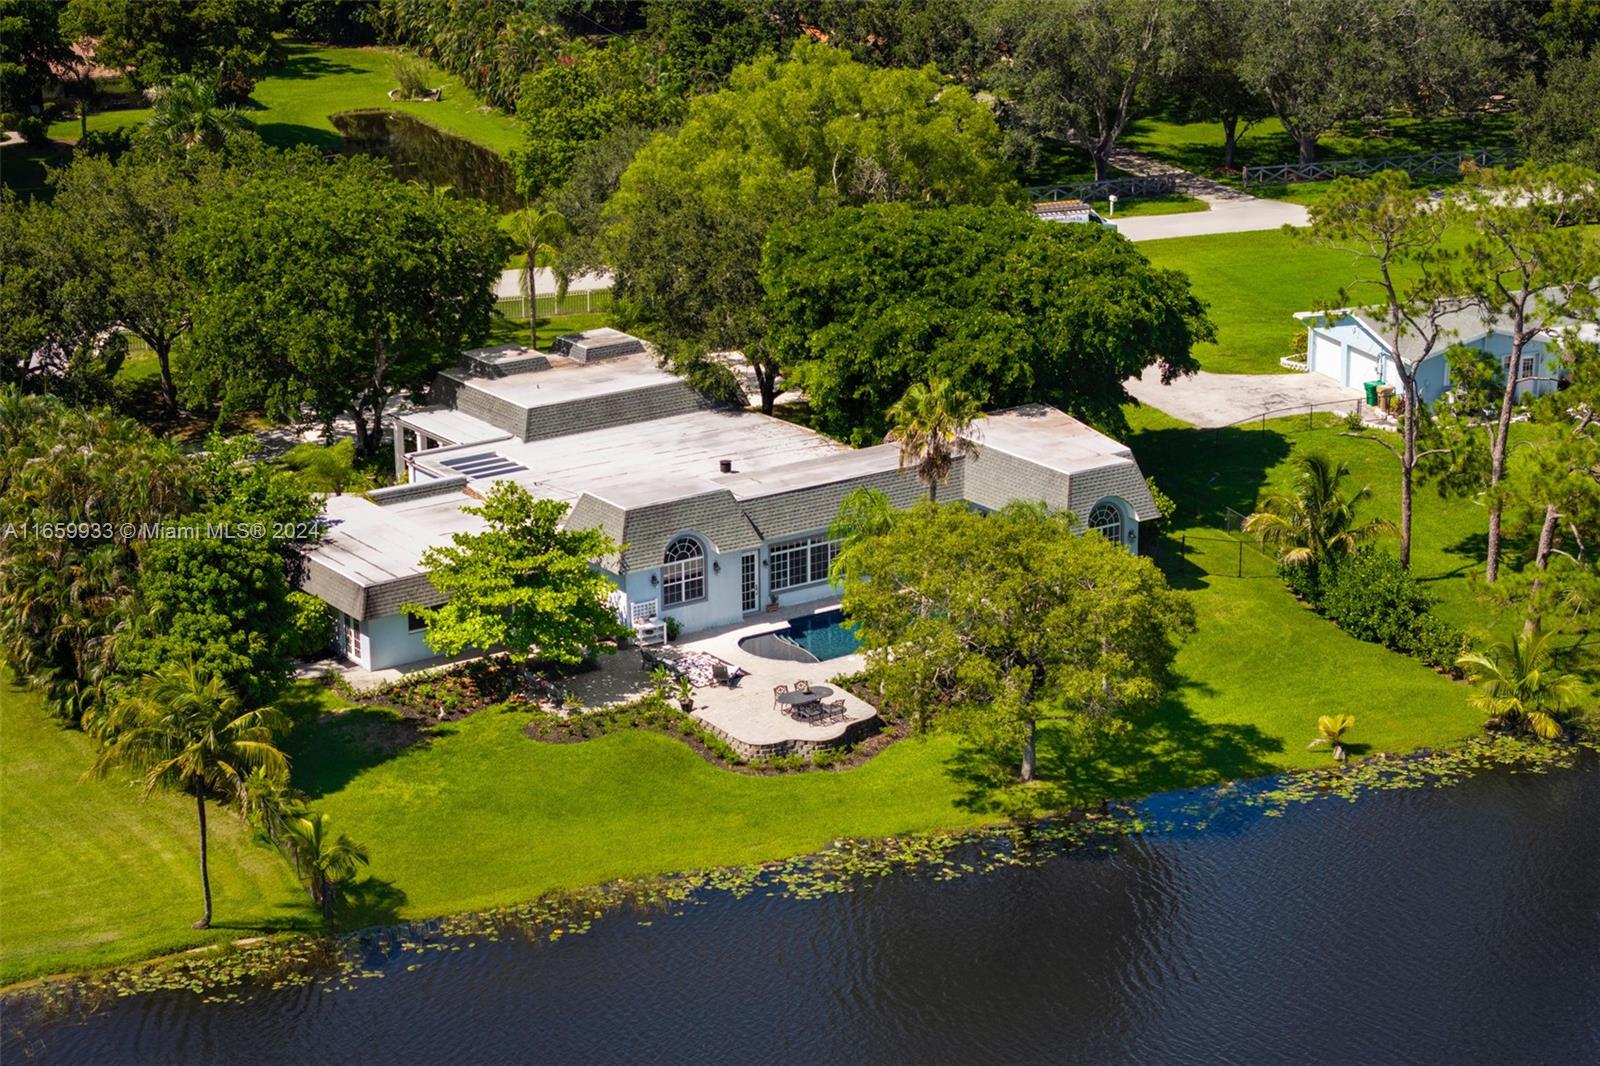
[746,712]
[744,715]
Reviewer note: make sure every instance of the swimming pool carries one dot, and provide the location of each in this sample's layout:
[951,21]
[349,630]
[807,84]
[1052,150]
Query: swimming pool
[809,638]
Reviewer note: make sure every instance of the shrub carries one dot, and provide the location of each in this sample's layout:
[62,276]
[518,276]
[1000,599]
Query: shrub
[674,627]
[1302,579]
[1372,598]
[310,626]
[32,129]
[411,74]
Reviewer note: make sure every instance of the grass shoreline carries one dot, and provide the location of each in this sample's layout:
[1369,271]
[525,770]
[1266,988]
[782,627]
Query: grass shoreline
[845,864]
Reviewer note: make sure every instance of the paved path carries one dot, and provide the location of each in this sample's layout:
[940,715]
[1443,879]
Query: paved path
[1231,211]
[1207,400]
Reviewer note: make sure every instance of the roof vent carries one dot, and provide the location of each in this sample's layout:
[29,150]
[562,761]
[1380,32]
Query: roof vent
[726,465]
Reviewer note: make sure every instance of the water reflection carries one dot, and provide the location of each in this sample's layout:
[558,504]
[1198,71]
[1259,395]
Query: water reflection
[421,152]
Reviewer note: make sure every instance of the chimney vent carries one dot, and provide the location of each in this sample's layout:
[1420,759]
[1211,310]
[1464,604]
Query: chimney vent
[726,465]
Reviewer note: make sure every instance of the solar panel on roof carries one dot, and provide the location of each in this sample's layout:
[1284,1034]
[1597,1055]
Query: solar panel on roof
[482,464]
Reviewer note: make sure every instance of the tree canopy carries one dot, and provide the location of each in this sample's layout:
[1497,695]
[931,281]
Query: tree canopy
[1008,308]
[156,40]
[524,583]
[786,139]
[993,623]
[334,288]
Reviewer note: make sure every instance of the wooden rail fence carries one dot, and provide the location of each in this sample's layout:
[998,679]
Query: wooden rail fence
[1432,164]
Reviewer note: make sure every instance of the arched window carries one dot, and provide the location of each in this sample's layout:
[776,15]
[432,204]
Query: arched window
[1106,519]
[683,572]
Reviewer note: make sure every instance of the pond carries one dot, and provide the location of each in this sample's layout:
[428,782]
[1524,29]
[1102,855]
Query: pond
[418,151]
[1456,924]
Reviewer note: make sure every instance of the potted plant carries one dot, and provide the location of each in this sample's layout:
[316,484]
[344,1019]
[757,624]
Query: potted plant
[685,692]
[772,603]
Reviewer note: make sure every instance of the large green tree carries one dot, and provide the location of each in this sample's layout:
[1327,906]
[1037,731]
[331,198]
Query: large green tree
[182,728]
[1205,52]
[787,139]
[156,40]
[1525,262]
[32,49]
[1010,309]
[334,288]
[569,104]
[75,486]
[524,583]
[994,624]
[1073,69]
[119,223]
[1556,122]
[1396,238]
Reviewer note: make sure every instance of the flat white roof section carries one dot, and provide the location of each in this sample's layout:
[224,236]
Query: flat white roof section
[1049,437]
[567,380]
[451,426]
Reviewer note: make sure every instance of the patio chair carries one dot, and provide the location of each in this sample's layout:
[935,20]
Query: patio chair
[802,685]
[808,712]
[724,674]
[778,690]
[835,711]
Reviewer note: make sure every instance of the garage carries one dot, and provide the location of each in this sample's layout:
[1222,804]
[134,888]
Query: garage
[1326,356]
[1363,368]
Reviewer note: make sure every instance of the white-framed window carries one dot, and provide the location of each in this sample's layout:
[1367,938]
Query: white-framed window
[1527,366]
[800,562]
[1106,519]
[683,572]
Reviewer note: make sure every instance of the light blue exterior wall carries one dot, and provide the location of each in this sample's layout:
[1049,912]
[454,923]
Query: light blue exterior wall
[1433,375]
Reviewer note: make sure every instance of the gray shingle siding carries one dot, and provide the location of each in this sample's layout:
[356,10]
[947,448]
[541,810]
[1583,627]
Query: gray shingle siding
[716,516]
[333,588]
[500,413]
[807,510]
[388,597]
[615,409]
[416,490]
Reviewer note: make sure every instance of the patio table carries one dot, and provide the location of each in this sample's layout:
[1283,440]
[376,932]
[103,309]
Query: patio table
[797,699]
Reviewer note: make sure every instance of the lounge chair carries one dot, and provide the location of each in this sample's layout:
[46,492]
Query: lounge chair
[724,674]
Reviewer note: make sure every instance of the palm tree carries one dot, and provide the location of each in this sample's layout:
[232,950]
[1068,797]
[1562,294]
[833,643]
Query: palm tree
[1331,729]
[1315,521]
[269,803]
[1519,685]
[538,231]
[934,426]
[188,114]
[183,728]
[324,861]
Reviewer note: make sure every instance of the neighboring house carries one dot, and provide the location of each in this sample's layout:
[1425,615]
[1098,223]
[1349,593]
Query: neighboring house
[719,512]
[1068,211]
[1349,346]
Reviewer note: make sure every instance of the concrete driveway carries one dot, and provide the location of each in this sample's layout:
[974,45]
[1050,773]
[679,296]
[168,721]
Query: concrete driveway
[1230,210]
[1208,400]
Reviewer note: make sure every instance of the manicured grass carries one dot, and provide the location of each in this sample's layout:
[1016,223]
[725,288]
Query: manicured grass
[90,875]
[295,100]
[506,330]
[1171,204]
[1254,283]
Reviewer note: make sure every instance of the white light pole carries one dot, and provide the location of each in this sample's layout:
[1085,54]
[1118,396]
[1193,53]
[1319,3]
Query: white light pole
[1112,199]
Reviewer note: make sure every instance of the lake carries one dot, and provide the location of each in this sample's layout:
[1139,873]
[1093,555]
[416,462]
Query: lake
[1449,925]
[417,151]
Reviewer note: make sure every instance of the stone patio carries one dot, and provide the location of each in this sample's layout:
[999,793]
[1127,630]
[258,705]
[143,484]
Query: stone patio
[744,715]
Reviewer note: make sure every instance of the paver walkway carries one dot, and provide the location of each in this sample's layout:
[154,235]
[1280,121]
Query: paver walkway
[1231,211]
[1208,400]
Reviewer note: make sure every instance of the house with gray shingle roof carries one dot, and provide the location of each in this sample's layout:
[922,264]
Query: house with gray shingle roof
[718,512]
[1353,346]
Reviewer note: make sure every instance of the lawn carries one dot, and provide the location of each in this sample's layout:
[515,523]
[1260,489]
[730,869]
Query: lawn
[90,875]
[1254,283]
[292,102]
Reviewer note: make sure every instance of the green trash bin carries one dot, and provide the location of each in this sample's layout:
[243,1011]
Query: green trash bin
[1372,392]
